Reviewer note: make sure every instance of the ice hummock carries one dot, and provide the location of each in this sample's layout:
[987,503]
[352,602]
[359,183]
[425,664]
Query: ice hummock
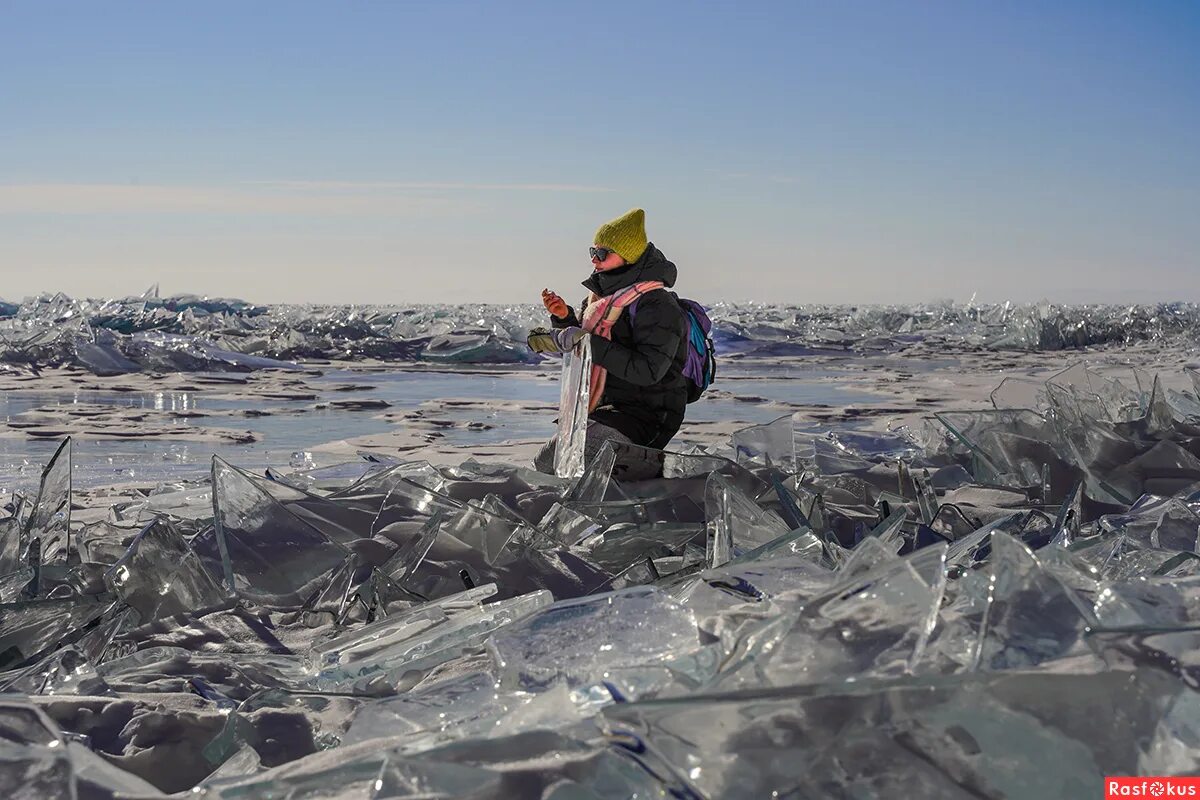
[188,333]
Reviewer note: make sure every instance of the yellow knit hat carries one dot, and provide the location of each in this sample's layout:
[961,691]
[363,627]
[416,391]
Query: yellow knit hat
[626,235]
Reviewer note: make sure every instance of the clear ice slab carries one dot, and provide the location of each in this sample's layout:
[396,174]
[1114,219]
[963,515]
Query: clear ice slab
[268,555]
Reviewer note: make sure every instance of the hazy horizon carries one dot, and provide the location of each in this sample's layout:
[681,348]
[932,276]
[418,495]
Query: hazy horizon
[865,153]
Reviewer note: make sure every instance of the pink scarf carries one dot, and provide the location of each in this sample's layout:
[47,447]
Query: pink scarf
[598,319]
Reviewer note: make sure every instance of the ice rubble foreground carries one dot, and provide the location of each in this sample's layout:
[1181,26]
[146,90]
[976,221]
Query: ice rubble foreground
[1003,606]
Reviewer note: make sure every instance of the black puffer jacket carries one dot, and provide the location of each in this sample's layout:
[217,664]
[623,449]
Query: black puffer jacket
[645,393]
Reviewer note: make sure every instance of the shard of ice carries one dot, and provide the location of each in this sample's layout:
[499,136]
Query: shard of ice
[63,672]
[426,643]
[873,622]
[10,544]
[161,575]
[574,391]
[31,629]
[633,634]
[267,553]
[735,522]
[772,443]
[931,737]
[50,519]
[592,485]
[473,706]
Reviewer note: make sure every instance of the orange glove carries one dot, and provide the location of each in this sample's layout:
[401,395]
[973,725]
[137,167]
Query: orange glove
[555,304]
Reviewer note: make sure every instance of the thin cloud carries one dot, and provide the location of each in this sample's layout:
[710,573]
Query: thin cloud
[404,186]
[102,198]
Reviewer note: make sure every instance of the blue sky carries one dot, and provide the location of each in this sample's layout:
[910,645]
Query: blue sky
[396,152]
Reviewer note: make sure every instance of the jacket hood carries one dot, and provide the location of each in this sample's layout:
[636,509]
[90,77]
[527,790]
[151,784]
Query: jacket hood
[652,266]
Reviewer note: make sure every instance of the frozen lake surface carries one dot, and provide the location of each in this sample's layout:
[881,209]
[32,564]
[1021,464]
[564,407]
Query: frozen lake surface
[518,412]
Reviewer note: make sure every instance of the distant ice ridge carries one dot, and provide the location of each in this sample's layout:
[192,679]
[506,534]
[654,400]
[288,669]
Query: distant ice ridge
[189,333]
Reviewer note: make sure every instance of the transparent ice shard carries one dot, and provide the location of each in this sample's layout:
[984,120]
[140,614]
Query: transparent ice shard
[800,542]
[1070,517]
[567,525]
[1081,391]
[1017,392]
[10,543]
[617,547]
[873,622]
[243,762]
[1100,452]
[425,643]
[1013,614]
[30,630]
[29,772]
[22,722]
[772,443]
[161,575]
[1165,523]
[574,394]
[563,572]
[629,631]
[13,584]
[829,459]
[592,485]
[348,590]
[269,555]
[337,522]
[927,501]
[735,522]
[217,677]
[365,642]
[873,445]
[50,519]
[1007,445]
[105,543]
[64,672]
[1119,557]
[965,551]
[926,737]
[869,553]
[458,708]
[722,598]
[890,531]
[485,532]
[789,506]
[667,507]
[332,478]
[408,557]
[640,573]
[405,506]
[95,777]
[365,775]
[98,643]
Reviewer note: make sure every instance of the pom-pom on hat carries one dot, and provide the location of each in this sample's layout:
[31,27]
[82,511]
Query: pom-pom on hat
[625,235]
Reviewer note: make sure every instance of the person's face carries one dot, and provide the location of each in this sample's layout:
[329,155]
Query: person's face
[604,259]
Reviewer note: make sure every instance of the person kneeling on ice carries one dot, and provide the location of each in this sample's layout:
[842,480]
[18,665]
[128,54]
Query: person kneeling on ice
[639,348]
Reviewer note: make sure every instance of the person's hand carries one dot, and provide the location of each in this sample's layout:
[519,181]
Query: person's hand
[560,340]
[555,304]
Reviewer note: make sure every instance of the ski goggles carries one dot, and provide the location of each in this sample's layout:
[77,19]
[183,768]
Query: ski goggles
[600,253]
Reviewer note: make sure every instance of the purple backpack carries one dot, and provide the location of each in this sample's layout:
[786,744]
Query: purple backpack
[700,368]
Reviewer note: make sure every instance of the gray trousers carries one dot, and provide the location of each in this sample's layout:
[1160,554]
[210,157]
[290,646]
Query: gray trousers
[634,463]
